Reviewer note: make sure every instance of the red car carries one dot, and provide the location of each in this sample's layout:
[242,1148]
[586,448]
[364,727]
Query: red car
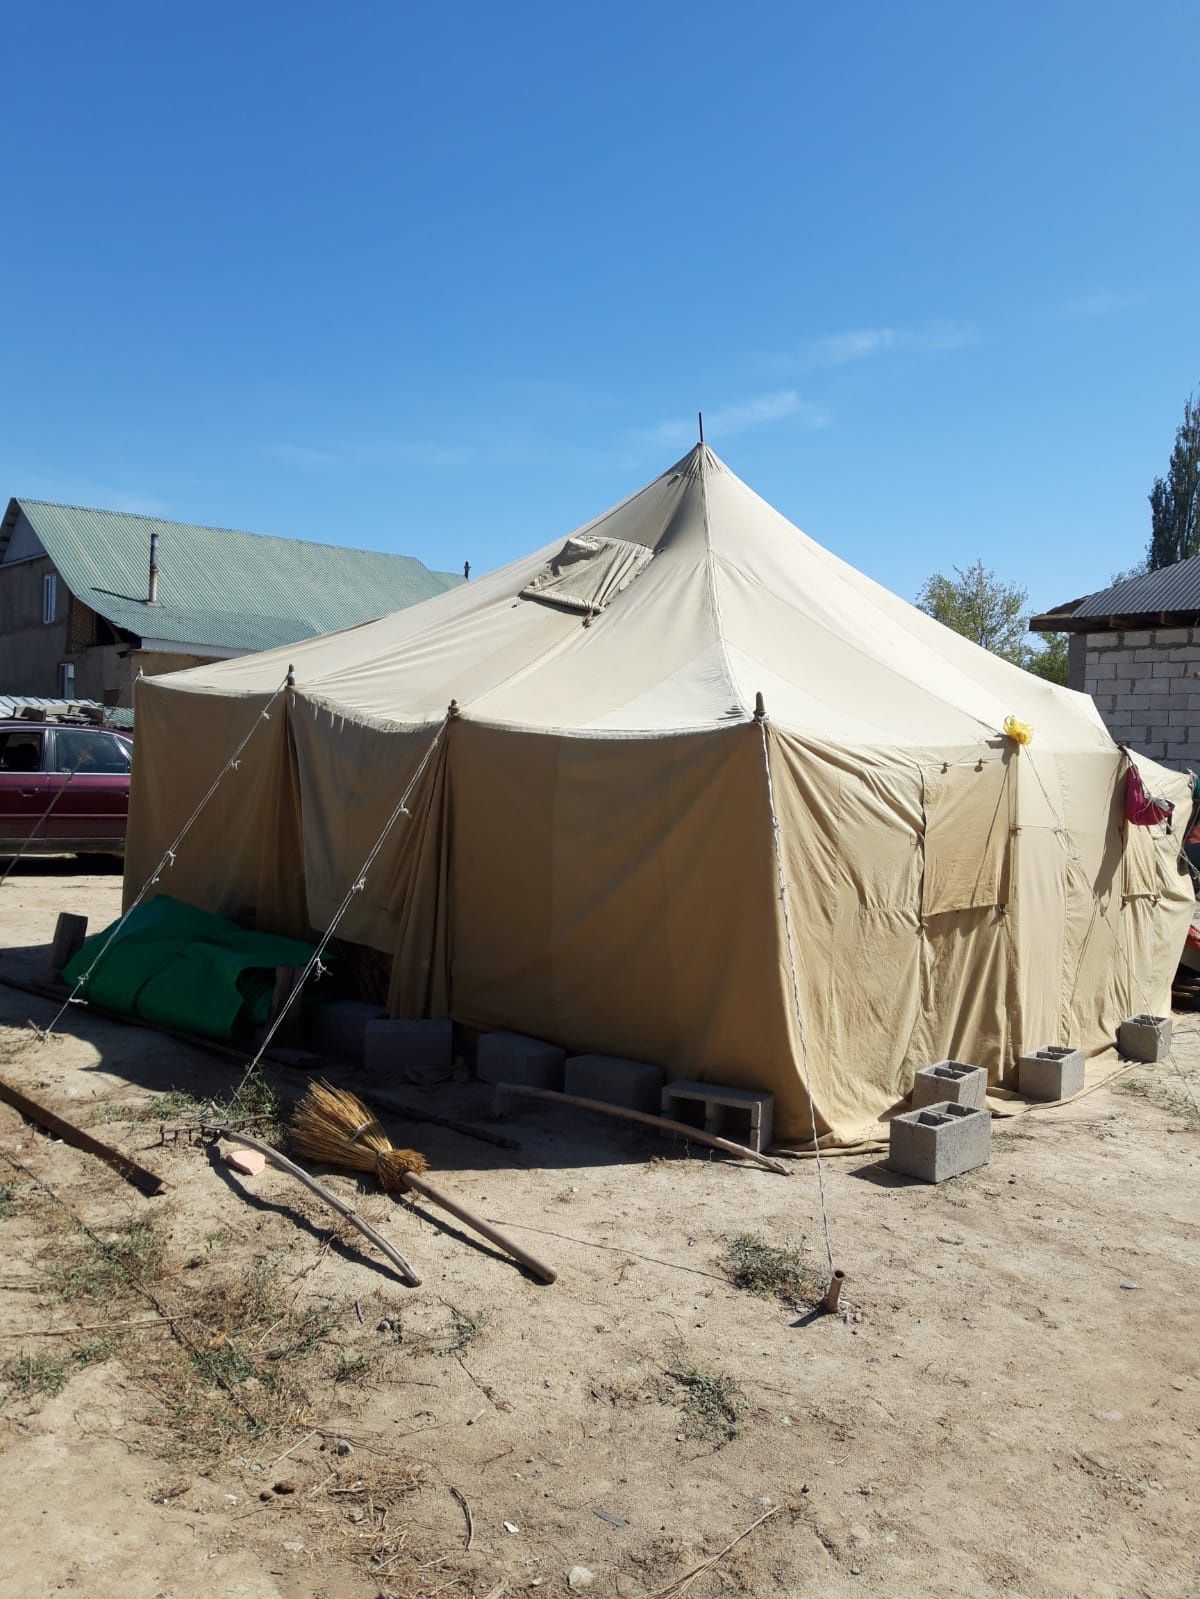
[64,788]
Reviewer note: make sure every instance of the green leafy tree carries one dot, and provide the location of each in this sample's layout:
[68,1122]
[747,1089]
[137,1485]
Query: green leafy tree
[1175,499]
[982,607]
[1050,661]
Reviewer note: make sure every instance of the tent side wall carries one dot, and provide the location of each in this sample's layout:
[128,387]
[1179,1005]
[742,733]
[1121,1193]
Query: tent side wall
[618,895]
[244,848]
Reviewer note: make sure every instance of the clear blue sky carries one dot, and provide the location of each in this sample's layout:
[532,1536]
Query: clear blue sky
[449,280]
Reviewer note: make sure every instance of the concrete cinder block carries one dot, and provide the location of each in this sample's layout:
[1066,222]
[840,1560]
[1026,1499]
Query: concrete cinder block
[340,1028]
[1145,1038]
[940,1141]
[514,1058]
[949,1080]
[1053,1072]
[397,1046]
[632,1083]
[746,1115]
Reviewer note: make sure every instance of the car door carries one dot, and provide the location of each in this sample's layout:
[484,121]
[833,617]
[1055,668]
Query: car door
[89,768]
[23,784]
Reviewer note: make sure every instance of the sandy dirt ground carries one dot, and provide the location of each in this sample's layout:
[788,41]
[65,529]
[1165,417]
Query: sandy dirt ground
[216,1392]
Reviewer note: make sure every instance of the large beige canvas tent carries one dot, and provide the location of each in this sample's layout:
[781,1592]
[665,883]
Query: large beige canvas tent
[608,849]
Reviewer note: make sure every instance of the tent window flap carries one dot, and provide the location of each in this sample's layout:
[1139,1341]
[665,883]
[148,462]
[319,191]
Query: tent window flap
[966,836]
[587,573]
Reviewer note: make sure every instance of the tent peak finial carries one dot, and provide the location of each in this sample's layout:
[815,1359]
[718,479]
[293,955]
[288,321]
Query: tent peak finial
[700,419]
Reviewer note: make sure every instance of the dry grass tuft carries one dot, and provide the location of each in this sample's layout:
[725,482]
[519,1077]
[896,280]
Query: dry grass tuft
[713,1404]
[245,1377]
[354,1507]
[771,1272]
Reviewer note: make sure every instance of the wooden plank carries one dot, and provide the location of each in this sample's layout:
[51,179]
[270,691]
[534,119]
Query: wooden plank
[140,1176]
[663,1123]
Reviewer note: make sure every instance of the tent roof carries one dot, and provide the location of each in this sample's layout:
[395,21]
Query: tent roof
[705,596]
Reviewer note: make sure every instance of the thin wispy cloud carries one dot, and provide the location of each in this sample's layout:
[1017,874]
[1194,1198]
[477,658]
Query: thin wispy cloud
[740,418]
[1100,302]
[865,344]
[426,453]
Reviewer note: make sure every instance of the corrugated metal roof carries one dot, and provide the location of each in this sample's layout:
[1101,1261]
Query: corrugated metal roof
[1170,588]
[12,705]
[217,586]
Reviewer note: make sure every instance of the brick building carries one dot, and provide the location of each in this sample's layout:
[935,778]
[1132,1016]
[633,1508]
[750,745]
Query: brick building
[1135,648]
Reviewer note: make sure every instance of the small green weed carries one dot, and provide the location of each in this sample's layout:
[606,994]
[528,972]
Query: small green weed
[713,1405]
[770,1272]
[353,1368]
[29,1375]
[106,1268]
[8,1200]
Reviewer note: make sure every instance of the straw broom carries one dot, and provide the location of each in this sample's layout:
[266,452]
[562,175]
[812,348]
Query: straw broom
[334,1127]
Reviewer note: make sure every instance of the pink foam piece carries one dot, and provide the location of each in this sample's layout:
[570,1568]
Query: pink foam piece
[248,1161]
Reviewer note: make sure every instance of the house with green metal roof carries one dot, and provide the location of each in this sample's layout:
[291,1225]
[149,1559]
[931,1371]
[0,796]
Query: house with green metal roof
[90,599]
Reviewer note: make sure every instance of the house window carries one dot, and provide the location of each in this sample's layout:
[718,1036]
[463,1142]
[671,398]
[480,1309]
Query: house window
[66,680]
[49,596]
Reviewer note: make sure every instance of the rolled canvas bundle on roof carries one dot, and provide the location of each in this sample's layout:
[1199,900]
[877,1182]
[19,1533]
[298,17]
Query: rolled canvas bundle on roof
[590,855]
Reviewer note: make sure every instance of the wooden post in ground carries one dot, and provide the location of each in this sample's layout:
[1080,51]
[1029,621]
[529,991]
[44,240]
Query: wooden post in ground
[69,934]
[291,1031]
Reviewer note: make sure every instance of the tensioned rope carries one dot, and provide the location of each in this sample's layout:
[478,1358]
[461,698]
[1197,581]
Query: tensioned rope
[356,887]
[58,793]
[40,823]
[760,717]
[1114,928]
[168,859]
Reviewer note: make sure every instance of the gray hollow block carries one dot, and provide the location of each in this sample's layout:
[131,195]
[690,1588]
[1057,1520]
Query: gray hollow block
[745,1115]
[514,1058]
[341,1028]
[1145,1038]
[949,1080]
[397,1046]
[1054,1072]
[631,1083]
[940,1141]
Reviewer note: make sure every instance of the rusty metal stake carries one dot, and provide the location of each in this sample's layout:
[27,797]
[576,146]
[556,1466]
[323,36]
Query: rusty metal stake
[834,1292]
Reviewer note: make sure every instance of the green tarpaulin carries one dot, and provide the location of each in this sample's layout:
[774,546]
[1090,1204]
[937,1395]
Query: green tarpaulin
[185,968]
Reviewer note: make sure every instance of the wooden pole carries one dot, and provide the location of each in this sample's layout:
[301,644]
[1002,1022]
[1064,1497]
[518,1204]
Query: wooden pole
[395,1106]
[539,1269]
[663,1123]
[327,1198]
[290,1030]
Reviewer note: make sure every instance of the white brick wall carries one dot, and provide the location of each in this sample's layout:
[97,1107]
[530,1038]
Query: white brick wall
[1147,688]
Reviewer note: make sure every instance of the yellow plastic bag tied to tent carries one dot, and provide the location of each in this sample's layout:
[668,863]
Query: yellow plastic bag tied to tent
[1019,732]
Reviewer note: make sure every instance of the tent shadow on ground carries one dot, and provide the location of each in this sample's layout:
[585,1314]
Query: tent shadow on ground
[882,1175]
[51,866]
[550,1138]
